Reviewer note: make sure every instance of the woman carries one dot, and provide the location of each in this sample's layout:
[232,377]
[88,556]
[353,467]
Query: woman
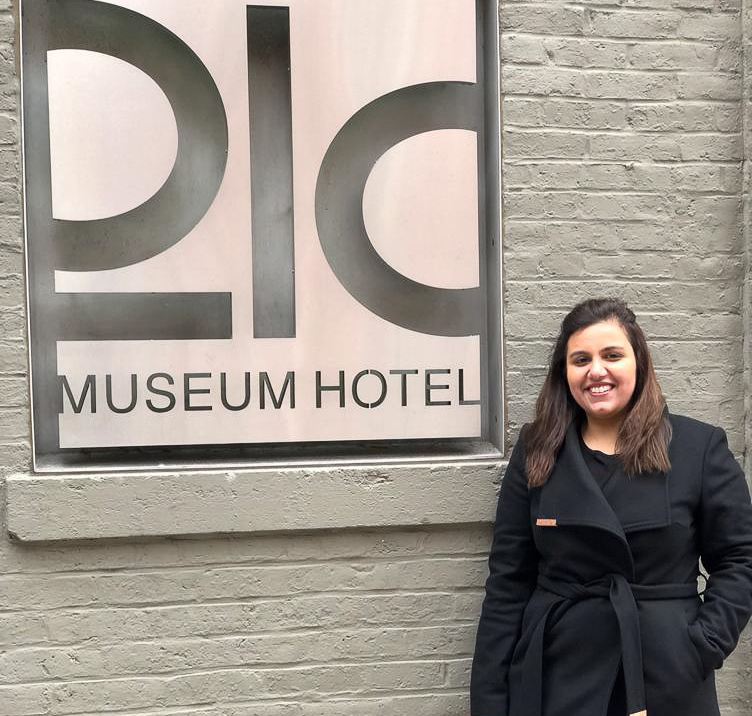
[591,604]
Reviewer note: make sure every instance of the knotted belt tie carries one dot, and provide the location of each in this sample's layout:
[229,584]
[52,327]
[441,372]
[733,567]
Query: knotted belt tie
[622,596]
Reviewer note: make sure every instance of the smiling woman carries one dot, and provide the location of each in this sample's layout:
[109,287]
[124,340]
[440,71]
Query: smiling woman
[607,505]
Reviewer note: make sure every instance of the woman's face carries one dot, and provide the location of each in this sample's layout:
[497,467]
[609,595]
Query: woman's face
[600,357]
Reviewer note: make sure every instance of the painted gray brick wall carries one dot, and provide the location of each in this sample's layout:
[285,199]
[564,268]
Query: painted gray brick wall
[624,129]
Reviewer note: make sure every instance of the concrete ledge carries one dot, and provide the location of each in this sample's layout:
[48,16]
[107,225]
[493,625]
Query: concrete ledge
[67,507]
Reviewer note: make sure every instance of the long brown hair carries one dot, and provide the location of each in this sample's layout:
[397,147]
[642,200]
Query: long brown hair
[644,435]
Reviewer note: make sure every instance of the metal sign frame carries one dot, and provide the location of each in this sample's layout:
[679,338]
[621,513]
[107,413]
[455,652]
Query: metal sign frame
[52,316]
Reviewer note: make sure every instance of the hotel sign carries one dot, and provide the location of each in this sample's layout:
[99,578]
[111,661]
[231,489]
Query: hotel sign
[258,224]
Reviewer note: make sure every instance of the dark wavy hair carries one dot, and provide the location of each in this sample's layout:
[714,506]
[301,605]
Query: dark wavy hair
[645,433]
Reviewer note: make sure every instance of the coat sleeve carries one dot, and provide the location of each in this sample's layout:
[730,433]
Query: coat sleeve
[726,549]
[513,571]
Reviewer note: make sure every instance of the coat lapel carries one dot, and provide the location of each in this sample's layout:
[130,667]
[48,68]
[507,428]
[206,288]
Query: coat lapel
[571,495]
[641,502]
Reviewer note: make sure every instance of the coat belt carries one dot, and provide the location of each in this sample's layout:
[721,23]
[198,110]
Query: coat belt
[622,596]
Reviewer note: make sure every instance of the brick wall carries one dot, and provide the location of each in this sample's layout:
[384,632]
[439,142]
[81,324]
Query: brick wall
[380,622]
[623,175]
[747,219]
[623,153]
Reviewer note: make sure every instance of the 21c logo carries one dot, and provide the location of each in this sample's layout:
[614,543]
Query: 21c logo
[178,206]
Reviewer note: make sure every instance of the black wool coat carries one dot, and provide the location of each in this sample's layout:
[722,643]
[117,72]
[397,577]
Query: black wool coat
[591,605]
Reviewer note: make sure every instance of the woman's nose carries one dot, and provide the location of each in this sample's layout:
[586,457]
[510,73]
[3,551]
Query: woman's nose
[597,368]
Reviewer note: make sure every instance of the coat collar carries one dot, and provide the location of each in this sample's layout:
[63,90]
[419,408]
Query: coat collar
[572,496]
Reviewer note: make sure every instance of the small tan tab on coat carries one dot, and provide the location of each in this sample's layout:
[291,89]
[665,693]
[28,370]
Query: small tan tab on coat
[540,522]
[639,713]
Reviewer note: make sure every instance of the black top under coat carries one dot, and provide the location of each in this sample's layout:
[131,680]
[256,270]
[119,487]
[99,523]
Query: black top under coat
[601,464]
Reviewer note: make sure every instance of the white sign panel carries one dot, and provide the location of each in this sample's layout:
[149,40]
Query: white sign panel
[254,223]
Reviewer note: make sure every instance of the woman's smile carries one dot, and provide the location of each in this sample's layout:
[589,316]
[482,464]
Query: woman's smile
[599,391]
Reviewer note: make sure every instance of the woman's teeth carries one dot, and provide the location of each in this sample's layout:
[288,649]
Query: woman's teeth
[600,389]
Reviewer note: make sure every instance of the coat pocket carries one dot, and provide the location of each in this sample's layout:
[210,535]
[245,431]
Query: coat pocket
[696,654]
[671,659]
[708,660]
